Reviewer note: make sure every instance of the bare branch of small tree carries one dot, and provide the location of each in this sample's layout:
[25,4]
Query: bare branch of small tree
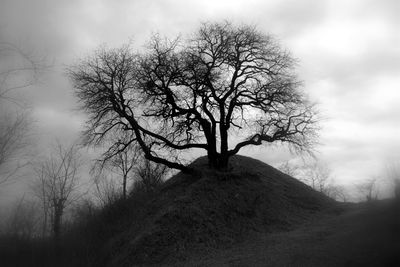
[57,182]
[393,177]
[337,192]
[369,188]
[289,169]
[105,189]
[19,68]
[149,176]
[318,175]
[13,144]
[23,220]
[121,164]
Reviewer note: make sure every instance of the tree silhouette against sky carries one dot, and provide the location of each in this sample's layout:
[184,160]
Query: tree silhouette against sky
[221,89]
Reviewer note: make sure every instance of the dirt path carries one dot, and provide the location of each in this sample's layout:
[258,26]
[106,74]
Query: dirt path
[361,236]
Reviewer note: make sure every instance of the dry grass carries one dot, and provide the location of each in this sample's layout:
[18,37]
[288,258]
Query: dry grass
[357,236]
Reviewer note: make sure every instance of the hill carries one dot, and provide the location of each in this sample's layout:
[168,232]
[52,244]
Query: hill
[213,209]
[363,234]
[253,215]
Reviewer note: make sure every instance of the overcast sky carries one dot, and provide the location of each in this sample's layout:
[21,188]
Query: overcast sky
[349,53]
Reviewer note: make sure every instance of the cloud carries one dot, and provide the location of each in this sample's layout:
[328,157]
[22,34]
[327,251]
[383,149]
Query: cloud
[349,54]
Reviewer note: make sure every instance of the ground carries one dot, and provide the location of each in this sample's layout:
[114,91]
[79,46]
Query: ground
[251,215]
[357,235]
[254,215]
[214,209]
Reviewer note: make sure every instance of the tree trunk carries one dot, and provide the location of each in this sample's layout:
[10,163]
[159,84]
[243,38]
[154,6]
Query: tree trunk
[218,161]
[44,226]
[57,225]
[124,187]
[58,212]
[224,158]
[223,162]
[212,153]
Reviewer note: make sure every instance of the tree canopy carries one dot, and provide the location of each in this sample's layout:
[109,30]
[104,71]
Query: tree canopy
[221,89]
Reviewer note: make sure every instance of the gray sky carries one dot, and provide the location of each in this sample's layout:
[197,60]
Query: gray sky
[349,54]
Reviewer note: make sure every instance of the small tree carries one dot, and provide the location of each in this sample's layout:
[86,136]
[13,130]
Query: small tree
[393,177]
[289,169]
[397,190]
[13,142]
[23,220]
[122,164]
[369,189]
[223,85]
[18,69]
[337,192]
[56,184]
[149,176]
[318,176]
[105,190]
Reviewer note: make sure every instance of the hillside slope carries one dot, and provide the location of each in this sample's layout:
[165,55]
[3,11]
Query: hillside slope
[215,209]
[366,234]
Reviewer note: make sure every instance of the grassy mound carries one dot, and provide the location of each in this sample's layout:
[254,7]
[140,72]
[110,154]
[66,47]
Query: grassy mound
[213,209]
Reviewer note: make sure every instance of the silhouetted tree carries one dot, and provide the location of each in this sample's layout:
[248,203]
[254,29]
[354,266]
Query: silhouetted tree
[13,142]
[397,190]
[57,183]
[393,177]
[105,189]
[318,175]
[225,84]
[23,219]
[149,176]
[18,69]
[289,169]
[122,164]
[369,189]
[337,192]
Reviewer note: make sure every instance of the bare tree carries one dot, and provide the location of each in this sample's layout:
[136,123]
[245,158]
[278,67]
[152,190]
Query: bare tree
[39,188]
[18,68]
[13,142]
[57,182]
[318,175]
[337,192]
[105,190]
[122,164]
[23,220]
[342,193]
[197,93]
[289,169]
[369,189]
[397,190]
[150,175]
[393,177]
